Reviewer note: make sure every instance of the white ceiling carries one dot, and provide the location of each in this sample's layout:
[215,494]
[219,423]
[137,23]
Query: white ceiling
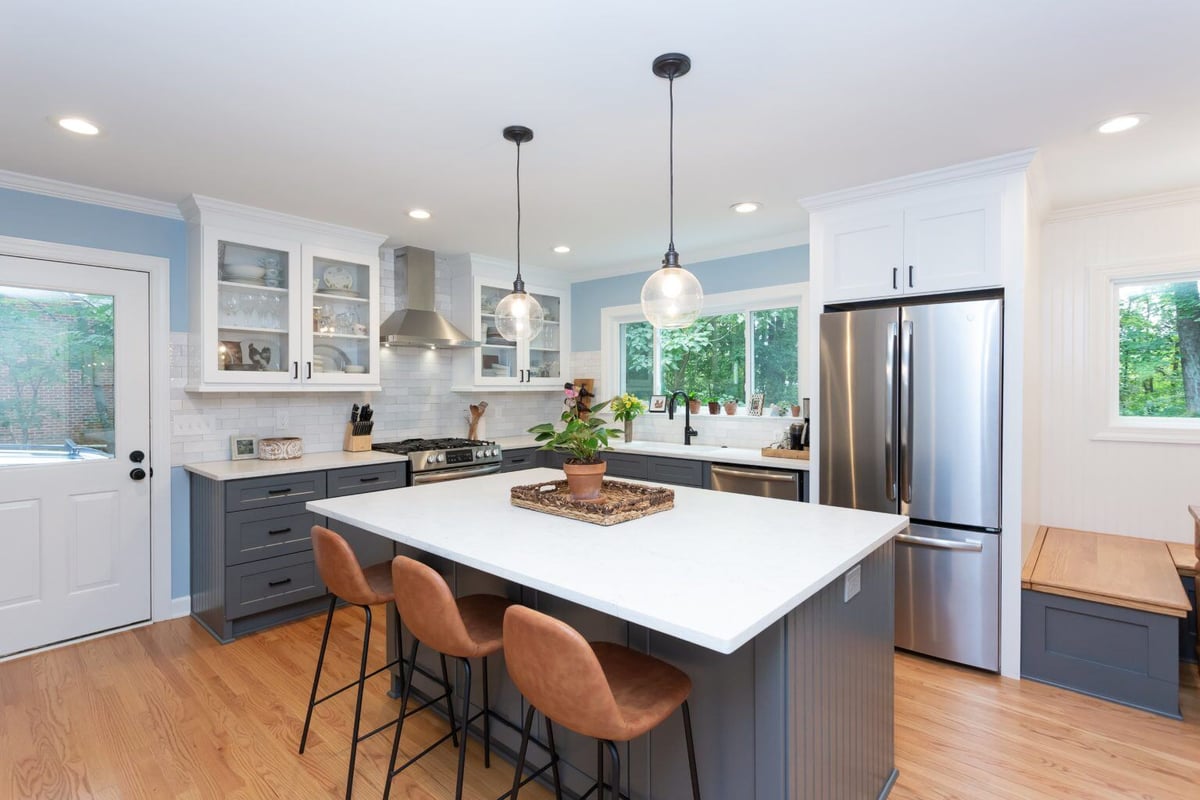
[355,112]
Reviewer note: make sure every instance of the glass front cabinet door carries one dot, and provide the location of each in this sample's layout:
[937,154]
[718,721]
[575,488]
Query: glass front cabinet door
[277,314]
[498,361]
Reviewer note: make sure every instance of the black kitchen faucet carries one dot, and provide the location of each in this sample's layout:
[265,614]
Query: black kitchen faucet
[688,430]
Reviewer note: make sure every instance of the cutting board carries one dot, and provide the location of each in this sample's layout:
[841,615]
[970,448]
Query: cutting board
[775,452]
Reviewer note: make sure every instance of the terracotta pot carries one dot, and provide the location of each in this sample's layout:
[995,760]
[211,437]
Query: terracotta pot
[584,480]
[694,406]
[795,411]
[714,407]
[731,408]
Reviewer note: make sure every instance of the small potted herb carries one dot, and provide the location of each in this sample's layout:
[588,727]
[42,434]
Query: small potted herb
[714,405]
[731,406]
[693,403]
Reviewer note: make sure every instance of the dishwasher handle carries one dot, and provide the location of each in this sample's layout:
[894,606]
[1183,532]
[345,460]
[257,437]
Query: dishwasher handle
[778,477]
[970,545]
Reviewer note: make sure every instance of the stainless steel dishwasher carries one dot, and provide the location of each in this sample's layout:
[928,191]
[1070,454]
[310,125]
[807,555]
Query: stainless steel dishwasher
[757,481]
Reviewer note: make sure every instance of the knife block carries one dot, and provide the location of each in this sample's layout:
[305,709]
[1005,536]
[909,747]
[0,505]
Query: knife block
[355,444]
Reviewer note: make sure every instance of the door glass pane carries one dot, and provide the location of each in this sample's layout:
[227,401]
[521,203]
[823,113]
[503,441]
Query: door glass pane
[544,355]
[707,358]
[56,376]
[340,316]
[498,356]
[252,308]
[637,342]
[776,356]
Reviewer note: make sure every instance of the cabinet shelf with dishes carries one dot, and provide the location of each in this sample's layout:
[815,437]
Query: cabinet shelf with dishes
[266,289]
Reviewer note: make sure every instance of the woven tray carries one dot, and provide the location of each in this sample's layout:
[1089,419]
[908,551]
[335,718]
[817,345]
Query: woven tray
[618,501]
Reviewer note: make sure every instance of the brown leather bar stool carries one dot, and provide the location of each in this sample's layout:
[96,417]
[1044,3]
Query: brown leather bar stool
[600,689]
[463,628]
[348,581]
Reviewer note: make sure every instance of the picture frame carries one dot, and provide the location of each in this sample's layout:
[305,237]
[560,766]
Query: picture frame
[242,447]
[756,404]
[658,404]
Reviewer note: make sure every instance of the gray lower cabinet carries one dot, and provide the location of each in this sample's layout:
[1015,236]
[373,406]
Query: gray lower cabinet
[520,458]
[251,551]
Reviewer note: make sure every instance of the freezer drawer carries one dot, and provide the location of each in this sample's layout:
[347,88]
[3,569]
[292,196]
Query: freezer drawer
[948,595]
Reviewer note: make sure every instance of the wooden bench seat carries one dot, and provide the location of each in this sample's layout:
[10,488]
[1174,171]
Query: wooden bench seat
[1100,615]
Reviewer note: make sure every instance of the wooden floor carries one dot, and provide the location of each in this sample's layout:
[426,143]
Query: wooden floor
[166,712]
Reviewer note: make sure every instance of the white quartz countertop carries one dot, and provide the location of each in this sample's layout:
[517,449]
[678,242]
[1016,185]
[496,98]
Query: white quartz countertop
[728,455]
[310,462]
[715,571]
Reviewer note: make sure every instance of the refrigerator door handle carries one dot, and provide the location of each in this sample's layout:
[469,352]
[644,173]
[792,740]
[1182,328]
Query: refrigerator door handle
[906,392]
[971,545]
[889,413]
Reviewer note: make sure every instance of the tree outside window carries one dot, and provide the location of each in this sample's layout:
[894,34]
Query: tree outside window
[1159,347]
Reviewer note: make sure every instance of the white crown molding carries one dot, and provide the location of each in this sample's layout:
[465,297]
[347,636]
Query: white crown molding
[201,210]
[693,258]
[1126,205]
[997,165]
[87,194]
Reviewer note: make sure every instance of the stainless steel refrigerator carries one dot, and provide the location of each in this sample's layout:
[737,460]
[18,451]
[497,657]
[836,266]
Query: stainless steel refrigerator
[910,424]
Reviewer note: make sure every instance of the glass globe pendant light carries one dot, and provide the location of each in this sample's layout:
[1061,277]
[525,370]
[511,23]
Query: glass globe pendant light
[672,297]
[519,315]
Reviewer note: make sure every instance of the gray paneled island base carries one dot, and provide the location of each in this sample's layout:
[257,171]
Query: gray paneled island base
[754,598]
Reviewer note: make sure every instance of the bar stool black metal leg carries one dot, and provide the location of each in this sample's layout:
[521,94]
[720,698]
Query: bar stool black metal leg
[487,721]
[600,770]
[407,680]
[553,758]
[466,718]
[312,698]
[615,757]
[449,702]
[691,750]
[516,787]
[362,679]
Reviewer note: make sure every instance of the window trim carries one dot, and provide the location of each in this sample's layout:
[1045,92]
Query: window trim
[1107,422]
[612,347]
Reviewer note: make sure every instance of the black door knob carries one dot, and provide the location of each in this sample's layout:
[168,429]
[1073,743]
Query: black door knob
[137,473]
[137,456]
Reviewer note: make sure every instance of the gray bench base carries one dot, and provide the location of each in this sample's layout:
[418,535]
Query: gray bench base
[1114,653]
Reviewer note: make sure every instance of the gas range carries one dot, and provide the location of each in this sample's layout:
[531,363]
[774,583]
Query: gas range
[446,459]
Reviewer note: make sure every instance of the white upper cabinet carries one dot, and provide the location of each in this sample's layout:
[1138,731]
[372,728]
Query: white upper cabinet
[279,303]
[500,364]
[937,239]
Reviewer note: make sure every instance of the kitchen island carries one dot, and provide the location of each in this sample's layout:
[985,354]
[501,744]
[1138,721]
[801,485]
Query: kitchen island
[781,613]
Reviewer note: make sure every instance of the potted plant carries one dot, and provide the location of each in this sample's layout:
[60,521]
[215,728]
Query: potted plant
[731,406]
[693,403]
[626,408]
[714,405]
[581,440]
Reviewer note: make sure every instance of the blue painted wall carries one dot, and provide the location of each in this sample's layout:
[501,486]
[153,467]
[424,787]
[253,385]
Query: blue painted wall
[751,271]
[53,219]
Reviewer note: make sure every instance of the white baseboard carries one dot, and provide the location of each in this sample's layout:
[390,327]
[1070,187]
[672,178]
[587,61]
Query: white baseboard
[180,607]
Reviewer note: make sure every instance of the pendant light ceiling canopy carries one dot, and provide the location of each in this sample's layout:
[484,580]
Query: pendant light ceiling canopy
[672,297]
[519,315]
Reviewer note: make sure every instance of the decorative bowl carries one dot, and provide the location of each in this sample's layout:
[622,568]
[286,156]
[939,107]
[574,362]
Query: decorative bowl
[248,272]
[280,448]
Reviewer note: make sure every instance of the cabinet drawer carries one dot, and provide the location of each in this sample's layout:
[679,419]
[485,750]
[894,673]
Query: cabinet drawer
[551,459]
[524,458]
[374,478]
[266,532]
[675,470]
[625,465]
[271,583]
[276,490]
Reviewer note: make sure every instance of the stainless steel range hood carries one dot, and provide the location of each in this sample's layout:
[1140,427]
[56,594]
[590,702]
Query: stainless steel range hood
[419,325]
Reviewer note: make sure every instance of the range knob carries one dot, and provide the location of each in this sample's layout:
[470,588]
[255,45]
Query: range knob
[439,457]
[493,452]
[480,453]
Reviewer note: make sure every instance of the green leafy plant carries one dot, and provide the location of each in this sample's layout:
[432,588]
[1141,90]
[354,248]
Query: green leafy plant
[581,439]
[626,407]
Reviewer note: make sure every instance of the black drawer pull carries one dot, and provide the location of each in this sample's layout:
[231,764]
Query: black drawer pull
[518,460]
[279,491]
[281,530]
[371,479]
[279,583]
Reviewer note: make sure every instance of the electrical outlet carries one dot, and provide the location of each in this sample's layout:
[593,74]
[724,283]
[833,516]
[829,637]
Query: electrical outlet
[191,425]
[853,583]
[281,419]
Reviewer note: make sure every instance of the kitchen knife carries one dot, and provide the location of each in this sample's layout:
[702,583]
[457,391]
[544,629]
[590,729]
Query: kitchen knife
[367,413]
[354,413]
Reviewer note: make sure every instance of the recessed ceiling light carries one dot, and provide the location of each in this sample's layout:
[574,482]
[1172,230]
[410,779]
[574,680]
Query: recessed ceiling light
[746,208]
[419,213]
[78,125]
[1122,123]
[562,248]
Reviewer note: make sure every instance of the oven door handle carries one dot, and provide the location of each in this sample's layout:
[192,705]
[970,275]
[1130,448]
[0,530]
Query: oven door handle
[454,474]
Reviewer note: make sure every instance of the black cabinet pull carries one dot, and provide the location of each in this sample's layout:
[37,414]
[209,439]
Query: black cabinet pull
[295,370]
[279,491]
[371,479]
[277,532]
[895,277]
[308,368]
[910,273]
[279,583]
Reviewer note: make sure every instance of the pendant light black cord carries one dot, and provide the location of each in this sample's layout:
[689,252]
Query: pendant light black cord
[671,158]
[519,284]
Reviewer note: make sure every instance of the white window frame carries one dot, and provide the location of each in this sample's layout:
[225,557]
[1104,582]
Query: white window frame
[612,345]
[1107,422]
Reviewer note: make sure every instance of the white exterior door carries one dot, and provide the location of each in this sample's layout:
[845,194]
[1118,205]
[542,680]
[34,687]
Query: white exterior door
[74,417]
